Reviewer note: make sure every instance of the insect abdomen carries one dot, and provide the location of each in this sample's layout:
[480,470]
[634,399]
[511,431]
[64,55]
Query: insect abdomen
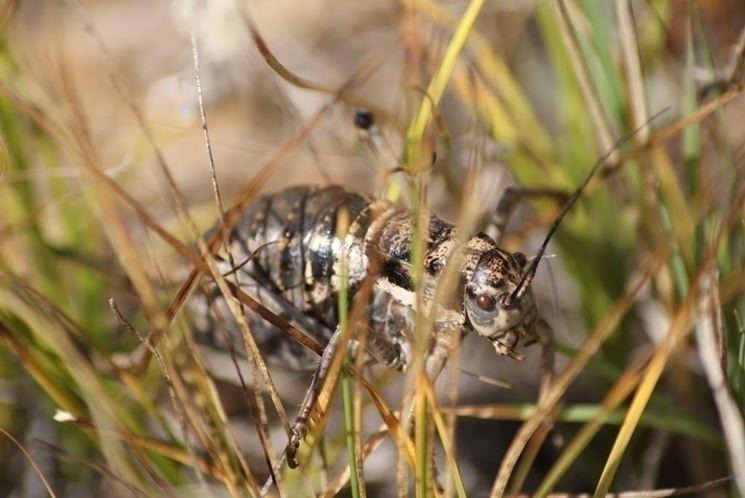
[292,235]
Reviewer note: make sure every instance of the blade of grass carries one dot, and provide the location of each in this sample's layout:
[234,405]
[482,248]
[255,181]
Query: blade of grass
[601,333]
[710,341]
[678,328]
[497,73]
[31,461]
[436,89]
[588,90]
[99,404]
[357,486]
[255,403]
[615,396]
[447,443]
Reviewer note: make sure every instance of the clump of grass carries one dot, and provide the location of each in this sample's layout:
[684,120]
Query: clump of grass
[658,232]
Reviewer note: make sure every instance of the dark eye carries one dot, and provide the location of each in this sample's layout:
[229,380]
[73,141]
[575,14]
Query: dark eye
[520,258]
[485,302]
[363,119]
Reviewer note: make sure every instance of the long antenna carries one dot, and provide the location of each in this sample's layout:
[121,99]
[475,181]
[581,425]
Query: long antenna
[529,274]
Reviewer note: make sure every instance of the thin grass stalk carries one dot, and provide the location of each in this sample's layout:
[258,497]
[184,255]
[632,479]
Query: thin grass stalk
[710,335]
[623,387]
[370,445]
[350,431]
[601,333]
[436,88]
[520,474]
[584,413]
[444,434]
[498,75]
[158,319]
[256,403]
[677,330]
[633,68]
[176,403]
[99,403]
[31,461]
[579,65]
[422,335]
[183,214]
[342,224]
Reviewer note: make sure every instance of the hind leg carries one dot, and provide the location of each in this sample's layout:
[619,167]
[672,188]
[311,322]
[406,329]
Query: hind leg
[300,427]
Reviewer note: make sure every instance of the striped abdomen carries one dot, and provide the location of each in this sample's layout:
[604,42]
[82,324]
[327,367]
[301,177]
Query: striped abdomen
[292,235]
[289,244]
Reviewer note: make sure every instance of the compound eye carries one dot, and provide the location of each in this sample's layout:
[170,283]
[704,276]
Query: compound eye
[485,302]
[520,259]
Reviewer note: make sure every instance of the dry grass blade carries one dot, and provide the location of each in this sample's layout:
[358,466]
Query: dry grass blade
[372,442]
[436,89]
[710,345]
[497,73]
[30,459]
[731,74]
[633,66]
[176,453]
[274,63]
[669,132]
[678,328]
[41,376]
[98,401]
[282,71]
[157,319]
[618,393]
[581,72]
[654,493]
[562,382]
[447,443]
[255,404]
[175,400]
[105,181]
[115,227]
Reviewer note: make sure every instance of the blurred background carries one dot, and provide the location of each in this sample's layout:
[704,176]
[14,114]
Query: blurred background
[95,93]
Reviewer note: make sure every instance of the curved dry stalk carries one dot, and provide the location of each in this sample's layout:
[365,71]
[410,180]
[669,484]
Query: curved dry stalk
[602,332]
[30,459]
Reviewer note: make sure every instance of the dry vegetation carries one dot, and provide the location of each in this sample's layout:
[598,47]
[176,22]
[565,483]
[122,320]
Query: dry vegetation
[105,186]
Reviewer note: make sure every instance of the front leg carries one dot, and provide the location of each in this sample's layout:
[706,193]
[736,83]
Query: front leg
[509,201]
[445,340]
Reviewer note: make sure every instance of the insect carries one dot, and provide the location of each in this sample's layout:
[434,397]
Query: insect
[291,258]
[288,253]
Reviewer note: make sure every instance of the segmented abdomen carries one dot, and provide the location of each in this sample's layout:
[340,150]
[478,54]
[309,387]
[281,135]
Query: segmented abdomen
[292,235]
[289,244]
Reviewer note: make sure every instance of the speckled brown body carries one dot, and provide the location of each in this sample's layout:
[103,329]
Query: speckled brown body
[290,253]
[287,243]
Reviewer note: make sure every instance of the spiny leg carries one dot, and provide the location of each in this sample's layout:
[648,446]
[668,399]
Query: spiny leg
[508,203]
[300,426]
[379,345]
